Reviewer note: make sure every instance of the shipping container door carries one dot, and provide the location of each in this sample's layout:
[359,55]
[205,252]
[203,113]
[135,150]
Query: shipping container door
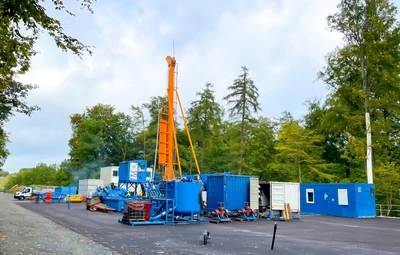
[254,191]
[326,208]
[277,195]
[215,192]
[292,196]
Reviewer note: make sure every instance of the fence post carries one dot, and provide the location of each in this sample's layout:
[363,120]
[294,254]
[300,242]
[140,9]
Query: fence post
[380,209]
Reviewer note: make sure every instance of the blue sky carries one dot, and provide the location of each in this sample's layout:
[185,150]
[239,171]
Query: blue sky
[282,42]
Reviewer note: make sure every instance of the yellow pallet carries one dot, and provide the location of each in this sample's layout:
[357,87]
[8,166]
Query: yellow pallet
[74,198]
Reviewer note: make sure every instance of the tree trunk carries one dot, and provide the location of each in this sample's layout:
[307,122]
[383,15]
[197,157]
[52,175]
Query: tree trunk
[202,155]
[241,153]
[241,142]
[347,169]
[299,172]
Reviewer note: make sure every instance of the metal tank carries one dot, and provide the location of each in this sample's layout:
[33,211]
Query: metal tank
[188,196]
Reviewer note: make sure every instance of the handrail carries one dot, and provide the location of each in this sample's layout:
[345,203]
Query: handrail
[386,210]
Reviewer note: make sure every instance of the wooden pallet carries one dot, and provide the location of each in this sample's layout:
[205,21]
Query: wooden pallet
[287,212]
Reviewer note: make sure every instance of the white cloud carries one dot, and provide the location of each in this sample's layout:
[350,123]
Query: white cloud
[166,28]
[273,39]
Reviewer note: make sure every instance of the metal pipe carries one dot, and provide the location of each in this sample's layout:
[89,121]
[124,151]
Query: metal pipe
[188,133]
[177,151]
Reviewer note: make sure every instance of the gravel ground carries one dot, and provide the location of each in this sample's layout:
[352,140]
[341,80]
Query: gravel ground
[25,232]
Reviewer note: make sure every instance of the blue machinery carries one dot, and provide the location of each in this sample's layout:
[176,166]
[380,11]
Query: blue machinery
[158,202]
[168,201]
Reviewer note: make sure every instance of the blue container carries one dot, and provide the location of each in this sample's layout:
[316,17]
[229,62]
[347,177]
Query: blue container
[116,203]
[188,199]
[63,191]
[69,190]
[58,190]
[232,190]
[351,200]
[132,171]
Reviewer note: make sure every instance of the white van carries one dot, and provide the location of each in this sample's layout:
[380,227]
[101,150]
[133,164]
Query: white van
[25,193]
[29,191]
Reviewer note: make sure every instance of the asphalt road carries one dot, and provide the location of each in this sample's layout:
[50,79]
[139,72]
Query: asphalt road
[308,235]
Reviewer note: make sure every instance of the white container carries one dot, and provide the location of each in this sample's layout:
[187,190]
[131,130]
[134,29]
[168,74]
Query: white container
[285,192]
[254,193]
[109,175]
[88,186]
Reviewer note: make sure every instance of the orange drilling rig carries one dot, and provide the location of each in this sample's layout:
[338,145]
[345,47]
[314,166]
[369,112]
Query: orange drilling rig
[168,146]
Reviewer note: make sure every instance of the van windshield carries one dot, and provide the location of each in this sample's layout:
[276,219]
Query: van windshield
[26,190]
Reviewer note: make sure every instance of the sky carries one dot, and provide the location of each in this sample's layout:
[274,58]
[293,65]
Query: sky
[283,43]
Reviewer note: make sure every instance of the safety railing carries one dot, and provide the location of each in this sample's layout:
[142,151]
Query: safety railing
[388,210]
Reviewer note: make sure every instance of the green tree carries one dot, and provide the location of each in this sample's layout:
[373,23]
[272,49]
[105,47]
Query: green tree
[20,25]
[100,137]
[139,126]
[364,78]
[302,148]
[13,100]
[64,175]
[44,174]
[12,180]
[41,174]
[243,99]
[3,173]
[188,164]
[321,120]
[204,120]
[388,185]
[261,149]
[121,138]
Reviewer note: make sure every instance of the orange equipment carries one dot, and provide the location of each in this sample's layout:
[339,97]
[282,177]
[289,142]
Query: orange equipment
[167,135]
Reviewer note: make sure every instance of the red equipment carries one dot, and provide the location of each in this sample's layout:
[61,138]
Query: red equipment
[248,211]
[221,212]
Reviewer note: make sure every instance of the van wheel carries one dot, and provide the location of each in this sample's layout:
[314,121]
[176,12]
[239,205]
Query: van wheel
[21,198]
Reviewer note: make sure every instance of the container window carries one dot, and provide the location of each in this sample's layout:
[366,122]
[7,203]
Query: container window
[115,173]
[343,197]
[372,192]
[310,196]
